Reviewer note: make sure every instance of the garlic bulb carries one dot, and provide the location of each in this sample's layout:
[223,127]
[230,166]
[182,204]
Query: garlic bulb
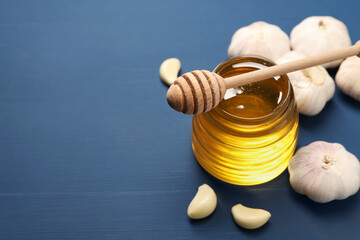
[313,87]
[319,34]
[259,38]
[348,77]
[324,172]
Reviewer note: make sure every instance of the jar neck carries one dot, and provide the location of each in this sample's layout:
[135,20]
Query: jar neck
[257,102]
[229,115]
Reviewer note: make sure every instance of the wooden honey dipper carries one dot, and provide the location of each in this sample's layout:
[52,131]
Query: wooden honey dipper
[200,91]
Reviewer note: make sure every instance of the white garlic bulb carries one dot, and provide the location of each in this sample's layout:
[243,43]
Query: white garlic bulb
[313,87]
[259,38]
[324,172]
[348,77]
[320,34]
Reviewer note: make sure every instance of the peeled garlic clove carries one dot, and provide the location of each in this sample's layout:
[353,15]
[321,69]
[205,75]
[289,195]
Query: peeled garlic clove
[203,204]
[313,87]
[169,70]
[324,172]
[348,77]
[250,218]
[259,38]
[320,34]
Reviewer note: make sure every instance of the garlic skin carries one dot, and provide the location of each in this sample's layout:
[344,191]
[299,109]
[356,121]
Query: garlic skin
[348,77]
[320,34]
[203,204]
[259,38]
[313,87]
[324,172]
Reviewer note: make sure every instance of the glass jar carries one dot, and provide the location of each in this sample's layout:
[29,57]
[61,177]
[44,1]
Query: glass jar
[251,135]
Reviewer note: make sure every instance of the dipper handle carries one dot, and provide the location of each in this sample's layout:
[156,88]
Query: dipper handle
[200,91]
[281,69]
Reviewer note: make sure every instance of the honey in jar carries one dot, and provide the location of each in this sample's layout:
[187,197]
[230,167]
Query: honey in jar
[251,135]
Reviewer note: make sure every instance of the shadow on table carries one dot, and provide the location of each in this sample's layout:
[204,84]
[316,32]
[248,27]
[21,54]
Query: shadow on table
[229,194]
[255,232]
[350,101]
[330,109]
[316,121]
[334,208]
[203,221]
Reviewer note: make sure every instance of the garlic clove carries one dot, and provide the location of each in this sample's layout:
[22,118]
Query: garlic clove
[249,218]
[203,204]
[324,172]
[259,38]
[348,77]
[169,70]
[313,87]
[320,34]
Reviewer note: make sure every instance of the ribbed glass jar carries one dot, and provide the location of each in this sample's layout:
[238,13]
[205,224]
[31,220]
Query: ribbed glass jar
[251,135]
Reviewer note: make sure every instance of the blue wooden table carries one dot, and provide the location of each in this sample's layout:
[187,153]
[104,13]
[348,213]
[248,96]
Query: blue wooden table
[89,148]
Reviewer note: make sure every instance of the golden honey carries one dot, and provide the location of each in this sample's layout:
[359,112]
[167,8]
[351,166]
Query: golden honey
[251,135]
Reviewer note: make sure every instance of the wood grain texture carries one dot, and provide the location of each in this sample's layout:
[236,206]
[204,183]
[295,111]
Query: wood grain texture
[293,66]
[196,92]
[89,148]
[194,87]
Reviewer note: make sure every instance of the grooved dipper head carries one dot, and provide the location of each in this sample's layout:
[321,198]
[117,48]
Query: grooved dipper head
[196,92]
[175,98]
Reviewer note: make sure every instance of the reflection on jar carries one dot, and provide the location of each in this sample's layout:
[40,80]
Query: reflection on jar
[251,135]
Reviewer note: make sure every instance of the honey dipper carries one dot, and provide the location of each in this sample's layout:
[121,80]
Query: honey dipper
[201,90]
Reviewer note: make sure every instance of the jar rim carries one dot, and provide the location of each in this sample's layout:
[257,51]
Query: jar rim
[265,63]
